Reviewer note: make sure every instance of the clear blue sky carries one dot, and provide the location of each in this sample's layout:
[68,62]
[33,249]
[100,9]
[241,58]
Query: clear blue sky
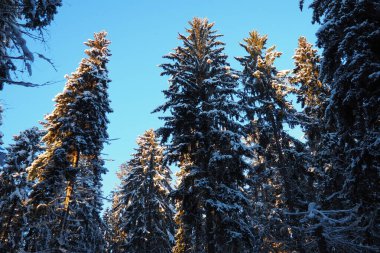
[142,31]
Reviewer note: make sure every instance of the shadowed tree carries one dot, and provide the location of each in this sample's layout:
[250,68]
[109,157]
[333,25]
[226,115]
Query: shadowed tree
[204,140]
[279,180]
[14,187]
[349,37]
[142,215]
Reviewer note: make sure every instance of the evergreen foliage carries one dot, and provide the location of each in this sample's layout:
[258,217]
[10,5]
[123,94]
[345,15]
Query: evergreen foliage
[349,37]
[279,180]
[20,19]
[142,215]
[205,141]
[109,231]
[311,93]
[65,203]
[244,183]
[14,187]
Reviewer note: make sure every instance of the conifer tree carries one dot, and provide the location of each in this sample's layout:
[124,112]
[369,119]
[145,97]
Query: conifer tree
[311,93]
[65,203]
[205,142]
[20,19]
[142,214]
[14,187]
[313,97]
[109,233]
[279,180]
[350,66]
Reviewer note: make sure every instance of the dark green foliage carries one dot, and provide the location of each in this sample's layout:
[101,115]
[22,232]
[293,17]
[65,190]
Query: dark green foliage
[65,203]
[280,182]
[142,215]
[350,39]
[14,187]
[205,142]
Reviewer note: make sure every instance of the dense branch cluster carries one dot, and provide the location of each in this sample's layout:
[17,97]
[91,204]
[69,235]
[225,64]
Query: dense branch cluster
[244,183]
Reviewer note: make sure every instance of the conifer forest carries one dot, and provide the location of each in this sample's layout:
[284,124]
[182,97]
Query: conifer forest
[224,172]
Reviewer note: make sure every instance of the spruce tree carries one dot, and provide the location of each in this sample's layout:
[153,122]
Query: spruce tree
[311,93]
[15,187]
[312,96]
[20,19]
[108,230]
[204,140]
[350,66]
[279,180]
[65,203]
[142,215]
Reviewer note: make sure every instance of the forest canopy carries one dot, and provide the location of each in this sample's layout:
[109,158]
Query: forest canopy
[224,171]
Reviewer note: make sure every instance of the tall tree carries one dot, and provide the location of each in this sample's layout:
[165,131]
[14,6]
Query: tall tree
[279,180]
[313,97]
[14,187]
[311,93]
[20,19]
[205,141]
[65,203]
[349,37]
[142,214]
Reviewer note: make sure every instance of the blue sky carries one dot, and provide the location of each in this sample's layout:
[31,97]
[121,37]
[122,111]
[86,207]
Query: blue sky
[141,31]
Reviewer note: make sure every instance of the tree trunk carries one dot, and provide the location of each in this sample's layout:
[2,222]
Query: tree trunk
[284,174]
[322,247]
[69,190]
[210,247]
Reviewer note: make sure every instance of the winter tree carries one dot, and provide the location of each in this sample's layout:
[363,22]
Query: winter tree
[142,214]
[349,37]
[20,19]
[279,180]
[14,187]
[204,140]
[311,93]
[65,203]
[108,230]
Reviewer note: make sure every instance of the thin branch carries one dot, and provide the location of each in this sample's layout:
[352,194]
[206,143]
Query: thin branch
[28,84]
[46,59]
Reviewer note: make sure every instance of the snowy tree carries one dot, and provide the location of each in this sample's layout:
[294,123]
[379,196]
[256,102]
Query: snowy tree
[311,93]
[313,96]
[205,141]
[349,37]
[14,187]
[142,214]
[279,180]
[65,203]
[20,19]
[108,230]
